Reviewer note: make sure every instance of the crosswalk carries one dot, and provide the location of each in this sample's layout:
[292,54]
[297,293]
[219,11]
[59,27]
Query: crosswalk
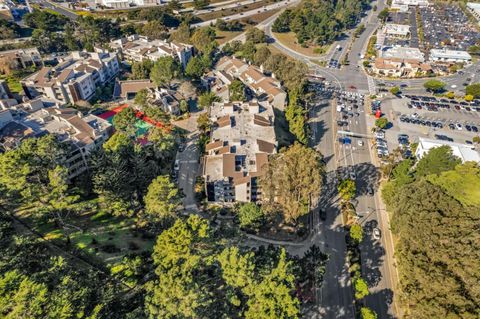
[372,88]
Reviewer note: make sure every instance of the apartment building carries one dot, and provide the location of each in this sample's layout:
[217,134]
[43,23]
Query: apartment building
[4,90]
[242,138]
[138,48]
[19,59]
[80,132]
[265,87]
[75,78]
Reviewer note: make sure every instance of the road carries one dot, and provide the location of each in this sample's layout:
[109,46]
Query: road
[377,256]
[244,14]
[58,8]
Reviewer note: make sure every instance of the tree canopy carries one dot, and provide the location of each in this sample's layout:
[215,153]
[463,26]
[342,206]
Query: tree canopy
[434,85]
[292,179]
[434,213]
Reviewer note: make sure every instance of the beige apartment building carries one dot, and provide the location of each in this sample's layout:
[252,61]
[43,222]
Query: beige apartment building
[242,138]
[75,78]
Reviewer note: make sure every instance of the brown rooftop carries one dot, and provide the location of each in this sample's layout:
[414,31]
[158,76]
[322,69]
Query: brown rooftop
[213,145]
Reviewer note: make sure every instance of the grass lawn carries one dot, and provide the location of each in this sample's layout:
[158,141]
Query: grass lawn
[13,83]
[289,39]
[225,36]
[257,18]
[106,238]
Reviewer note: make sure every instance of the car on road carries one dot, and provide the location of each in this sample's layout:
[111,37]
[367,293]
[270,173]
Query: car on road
[376,234]
[176,167]
[360,143]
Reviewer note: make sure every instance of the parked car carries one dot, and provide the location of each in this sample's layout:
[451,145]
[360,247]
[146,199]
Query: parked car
[376,234]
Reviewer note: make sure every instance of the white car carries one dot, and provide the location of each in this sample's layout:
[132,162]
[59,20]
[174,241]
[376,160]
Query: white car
[177,165]
[360,143]
[353,176]
[376,234]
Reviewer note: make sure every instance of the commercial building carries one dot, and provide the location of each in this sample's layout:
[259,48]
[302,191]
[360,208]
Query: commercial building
[80,132]
[455,56]
[138,48]
[402,5]
[123,4]
[465,152]
[396,30]
[395,67]
[19,59]
[75,78]
[404,53]
[242,138]
[266,88]
[474,9]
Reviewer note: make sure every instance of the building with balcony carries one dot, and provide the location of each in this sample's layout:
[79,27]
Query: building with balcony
[242,138]
[75,78]
[138,48]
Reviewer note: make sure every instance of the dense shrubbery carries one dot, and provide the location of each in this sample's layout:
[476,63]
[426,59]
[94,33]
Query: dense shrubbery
[319,21]
[435,215]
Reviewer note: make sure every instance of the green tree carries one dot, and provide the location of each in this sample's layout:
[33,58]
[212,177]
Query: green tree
[476,139]
[237,91]
[361,288]
[356,233]
[183,106]
[203,39]
[124,121]
[195,67]
[203,123]
[182,33]
[205,100]
[272,297]
[295,115]
[469,98]
[367,313]
[141,98]
[293,178]
[250,216]
[347,189]
[162,198]
[395,90]
[436,161]
[381,122]
[164,71]
[261,55]
[434,85]
[255,35]
[237,269]
[154,30]
[383,15]
[473,89]
[450,95]
[141,70]
[200,4]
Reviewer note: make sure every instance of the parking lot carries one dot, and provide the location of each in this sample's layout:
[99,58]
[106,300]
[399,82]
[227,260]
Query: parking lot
[405,18]
[452,124]
[447,26]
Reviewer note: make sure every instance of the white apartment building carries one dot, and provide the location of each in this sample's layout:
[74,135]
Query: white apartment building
[138,48]
[454,56]
[265,87]
[123,4]
[75,78]
[81,132]
[396,30]
[465,152]
[242,138]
